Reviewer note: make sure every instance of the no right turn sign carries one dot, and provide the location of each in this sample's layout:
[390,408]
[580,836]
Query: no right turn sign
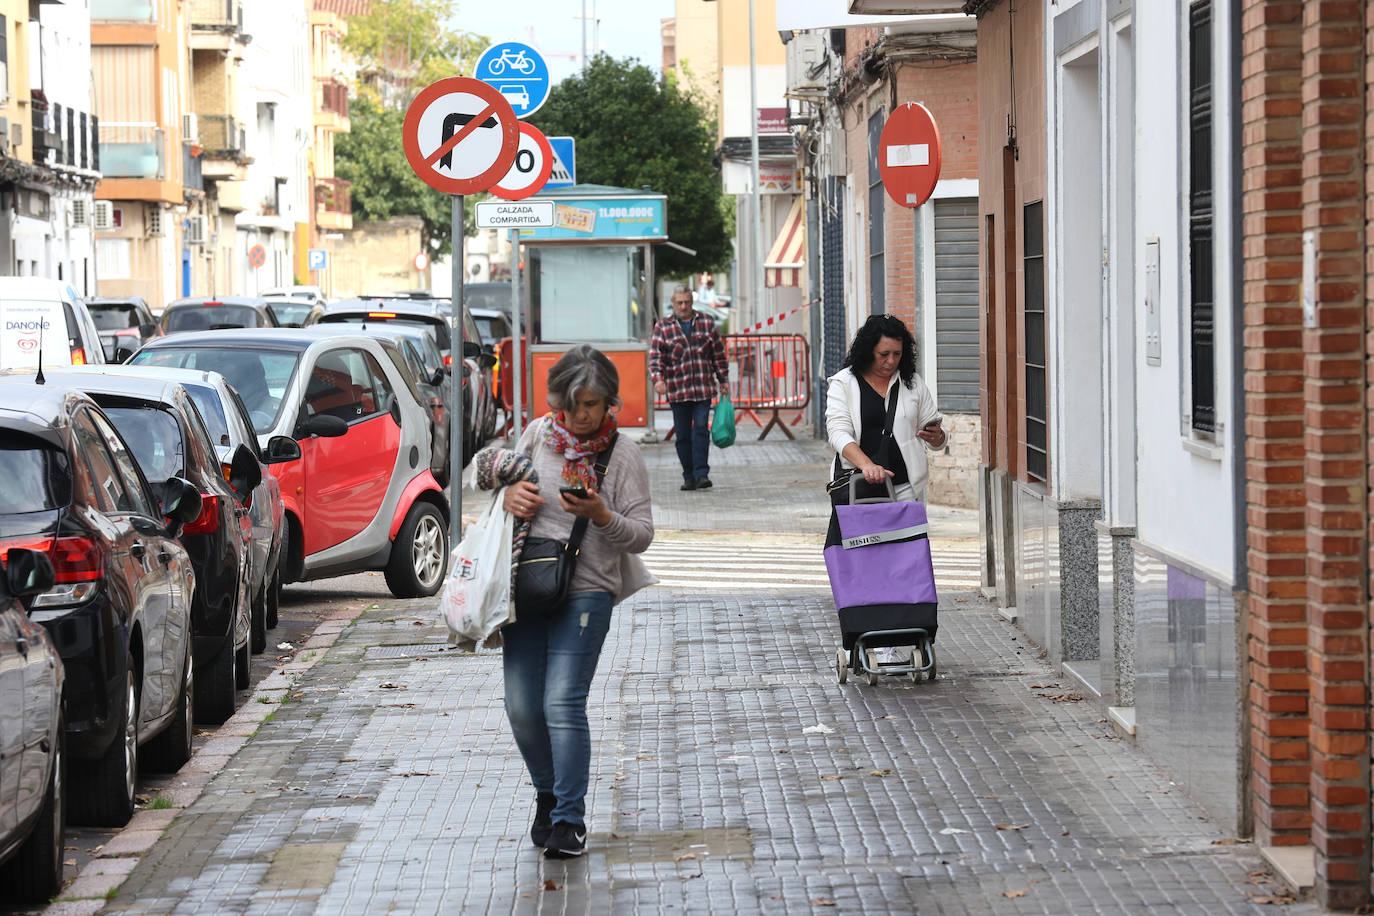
[460,135]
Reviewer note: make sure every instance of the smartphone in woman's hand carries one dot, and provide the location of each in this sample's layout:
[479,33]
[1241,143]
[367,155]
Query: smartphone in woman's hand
[579,492]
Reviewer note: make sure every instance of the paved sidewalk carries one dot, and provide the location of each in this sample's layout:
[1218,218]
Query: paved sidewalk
[730,772]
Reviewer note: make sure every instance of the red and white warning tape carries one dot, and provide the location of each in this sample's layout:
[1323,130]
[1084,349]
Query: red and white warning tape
[777,319]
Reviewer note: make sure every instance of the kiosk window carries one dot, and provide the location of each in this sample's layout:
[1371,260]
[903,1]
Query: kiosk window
[589,293]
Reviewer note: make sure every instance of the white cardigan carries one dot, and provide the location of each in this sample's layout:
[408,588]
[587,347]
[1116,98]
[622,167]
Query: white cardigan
[915,408]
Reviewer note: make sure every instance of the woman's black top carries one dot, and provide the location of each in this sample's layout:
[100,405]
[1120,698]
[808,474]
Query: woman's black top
[872,418]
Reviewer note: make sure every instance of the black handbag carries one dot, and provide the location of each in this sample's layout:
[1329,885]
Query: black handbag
[838,488]
[545,569]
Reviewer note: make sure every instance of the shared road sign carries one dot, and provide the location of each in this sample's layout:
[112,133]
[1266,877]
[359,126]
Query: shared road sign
[460,135]
[909,154]
[515,214]
[515,70]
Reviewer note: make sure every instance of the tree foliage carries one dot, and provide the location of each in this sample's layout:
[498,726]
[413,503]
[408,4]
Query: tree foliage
[384,185]
[401,46]
[635,130]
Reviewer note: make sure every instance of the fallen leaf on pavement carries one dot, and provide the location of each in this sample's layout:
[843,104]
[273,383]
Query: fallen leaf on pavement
[685,855]
[822,901]
[879,772]
[418,623]
[829,776]
[549,885]
[1065,833]
[68,861]
[1272,901]
[1020,893]
[1012,826]
[1227,841]
[389,685]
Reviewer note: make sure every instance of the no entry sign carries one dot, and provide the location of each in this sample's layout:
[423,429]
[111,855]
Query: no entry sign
[460,135]
[909,155]
[529,171]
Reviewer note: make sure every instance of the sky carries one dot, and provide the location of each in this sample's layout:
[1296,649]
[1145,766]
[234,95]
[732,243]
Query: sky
[628,28]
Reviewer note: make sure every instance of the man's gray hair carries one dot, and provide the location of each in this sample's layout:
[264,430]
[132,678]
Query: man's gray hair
[583,368]
[681,288]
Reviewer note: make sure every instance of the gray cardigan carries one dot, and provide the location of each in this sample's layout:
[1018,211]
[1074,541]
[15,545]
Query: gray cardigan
[625,491]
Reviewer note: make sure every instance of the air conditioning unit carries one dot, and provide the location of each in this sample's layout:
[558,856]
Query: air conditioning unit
[190,128]
[80,216]
[195,230]
[104,215]
[154,221]
[806,70]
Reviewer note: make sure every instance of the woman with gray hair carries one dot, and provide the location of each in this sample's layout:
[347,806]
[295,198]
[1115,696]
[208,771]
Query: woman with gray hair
[549,661]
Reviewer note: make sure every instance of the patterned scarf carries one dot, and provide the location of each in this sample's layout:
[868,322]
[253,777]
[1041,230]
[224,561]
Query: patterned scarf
[494,468]
[579,455]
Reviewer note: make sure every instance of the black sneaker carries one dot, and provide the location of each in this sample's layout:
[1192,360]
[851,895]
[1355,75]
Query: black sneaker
[568,841]
[688,485]
[704,483]
[542,828]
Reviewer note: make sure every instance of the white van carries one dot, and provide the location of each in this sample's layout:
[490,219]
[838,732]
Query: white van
[38,314]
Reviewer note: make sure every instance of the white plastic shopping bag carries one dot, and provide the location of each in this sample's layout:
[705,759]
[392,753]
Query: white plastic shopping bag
[476,601]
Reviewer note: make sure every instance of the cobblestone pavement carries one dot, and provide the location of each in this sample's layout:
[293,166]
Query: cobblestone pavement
[730,772]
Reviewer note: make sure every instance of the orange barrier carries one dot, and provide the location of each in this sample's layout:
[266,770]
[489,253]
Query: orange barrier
[768,372]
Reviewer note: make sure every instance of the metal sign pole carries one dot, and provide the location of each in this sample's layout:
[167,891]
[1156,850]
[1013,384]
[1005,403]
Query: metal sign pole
[459,364]
[517,356]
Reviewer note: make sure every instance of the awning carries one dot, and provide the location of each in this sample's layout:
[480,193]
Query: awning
[787,257]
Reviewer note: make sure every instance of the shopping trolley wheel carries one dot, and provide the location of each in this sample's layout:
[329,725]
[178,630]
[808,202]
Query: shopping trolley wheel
[841,665]
[928,652]
[872,678]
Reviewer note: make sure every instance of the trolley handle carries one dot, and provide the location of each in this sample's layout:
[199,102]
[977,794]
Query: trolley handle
[854,482]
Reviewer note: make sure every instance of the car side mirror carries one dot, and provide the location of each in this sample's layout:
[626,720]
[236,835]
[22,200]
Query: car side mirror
[123,354]
[29,572]
[326,426]
[471,350]
[439,377]
[147,330]
[180,503]
[244,474]
[281,449]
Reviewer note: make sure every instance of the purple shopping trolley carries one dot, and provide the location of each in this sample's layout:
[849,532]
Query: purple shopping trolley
[878,558]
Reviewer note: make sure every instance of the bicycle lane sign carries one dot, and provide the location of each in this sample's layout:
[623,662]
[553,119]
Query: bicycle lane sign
[460,136]
[518,72]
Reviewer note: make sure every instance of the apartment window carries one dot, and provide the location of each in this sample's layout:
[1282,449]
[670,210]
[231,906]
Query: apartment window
[957,358]
[1037,415]
[95,143]
[877,276]
[84,145]
[1201,311]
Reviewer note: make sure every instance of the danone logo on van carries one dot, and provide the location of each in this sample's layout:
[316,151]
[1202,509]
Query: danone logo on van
[27,325]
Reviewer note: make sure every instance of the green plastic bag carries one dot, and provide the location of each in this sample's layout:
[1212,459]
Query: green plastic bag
[723,424]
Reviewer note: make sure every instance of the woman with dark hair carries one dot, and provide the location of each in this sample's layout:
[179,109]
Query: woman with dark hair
[880,367]
[549,660]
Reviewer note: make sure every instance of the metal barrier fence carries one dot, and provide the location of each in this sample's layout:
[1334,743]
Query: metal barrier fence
[768,372]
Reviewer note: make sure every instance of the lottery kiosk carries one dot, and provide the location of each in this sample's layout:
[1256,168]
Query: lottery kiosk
[590,279]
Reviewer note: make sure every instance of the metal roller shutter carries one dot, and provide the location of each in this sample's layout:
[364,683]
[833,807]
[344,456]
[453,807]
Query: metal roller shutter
[832,278]
[957,358]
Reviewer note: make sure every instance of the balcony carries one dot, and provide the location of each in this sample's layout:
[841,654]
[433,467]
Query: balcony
[43,138]
[192,177]
[217,15]
[132,150]
[123,11]
[225,143]
[333,204]
[331,105]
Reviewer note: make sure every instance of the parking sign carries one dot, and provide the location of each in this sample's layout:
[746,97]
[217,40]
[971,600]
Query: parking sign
[317,259]
[515,70]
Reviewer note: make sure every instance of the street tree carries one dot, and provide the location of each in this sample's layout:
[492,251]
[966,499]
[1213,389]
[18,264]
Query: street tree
[402,46]
[636,130]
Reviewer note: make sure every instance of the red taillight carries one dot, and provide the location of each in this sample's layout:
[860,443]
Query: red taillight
[448,360]
[74,559]
[78,357]
[382,315]
[208,520]
[212,303]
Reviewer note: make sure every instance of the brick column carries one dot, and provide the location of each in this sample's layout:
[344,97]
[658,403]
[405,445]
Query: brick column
[1333,167]
[1271,73]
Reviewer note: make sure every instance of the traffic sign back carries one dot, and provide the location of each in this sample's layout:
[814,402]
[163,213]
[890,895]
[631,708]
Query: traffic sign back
[460,135]
[909,155]
[516,71]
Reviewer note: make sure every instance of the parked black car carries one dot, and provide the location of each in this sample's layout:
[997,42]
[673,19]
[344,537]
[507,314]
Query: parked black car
[125,324]
[211,313]
[32,759]
[164,429]
[119,609]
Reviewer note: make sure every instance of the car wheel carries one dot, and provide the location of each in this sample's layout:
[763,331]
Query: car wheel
[168,751]
[215,690]
[34,873]
[257,621]
[419,553]
[241,679]
[104,788]
[273,599]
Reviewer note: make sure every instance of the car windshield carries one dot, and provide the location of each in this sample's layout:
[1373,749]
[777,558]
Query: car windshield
[155,438]
[261,377]
[290,314]
[114,317]
[37,477]
[212,317]
[492,329]
[212,411]
[436,326]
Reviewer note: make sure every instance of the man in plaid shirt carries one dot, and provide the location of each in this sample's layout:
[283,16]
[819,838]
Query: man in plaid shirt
[687,363]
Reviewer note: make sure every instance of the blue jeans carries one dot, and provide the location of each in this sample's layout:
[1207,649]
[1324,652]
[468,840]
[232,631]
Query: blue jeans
[548,664]
[692,436]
